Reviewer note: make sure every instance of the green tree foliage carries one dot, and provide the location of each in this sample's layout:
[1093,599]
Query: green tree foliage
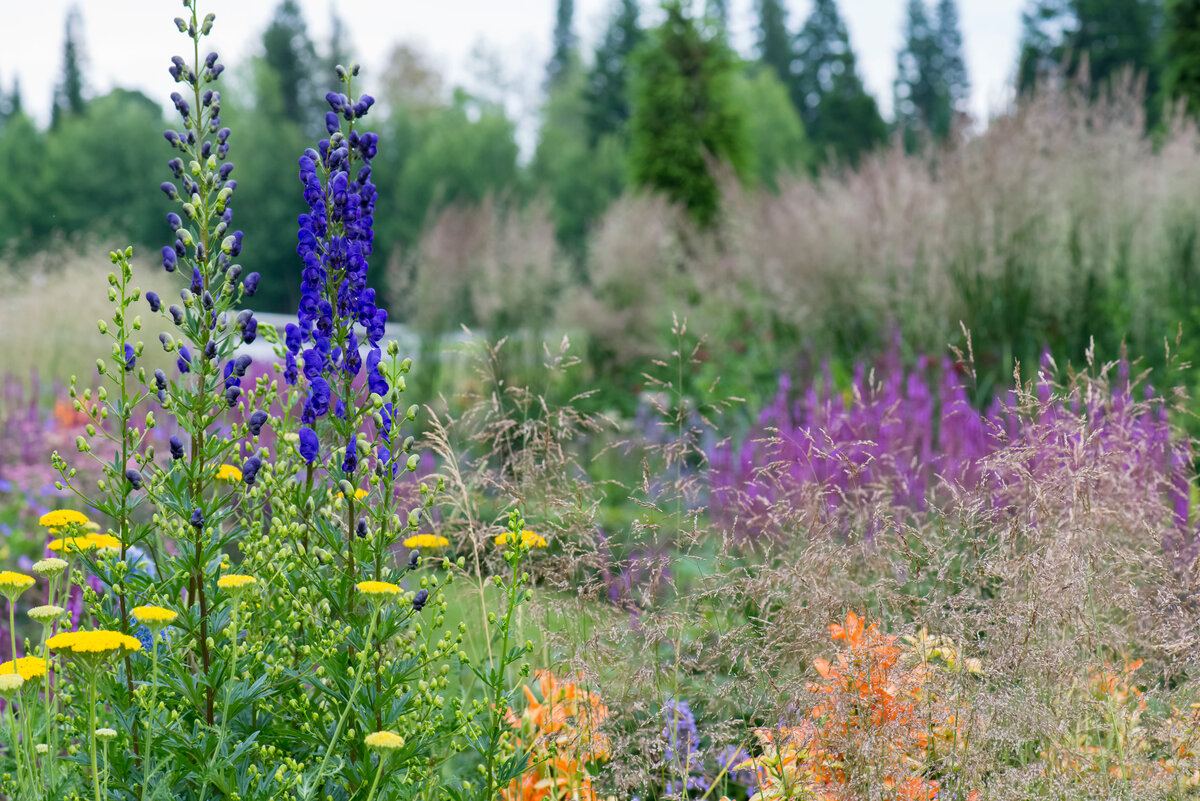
[607,91]
[1105,35]
[288,51]
[69,93]
[840,118]
[931,76]
[774,41]
[1181,74]
[581,172]
[564,43]
[686,111]
[717,12]
[775,131]
[24,223]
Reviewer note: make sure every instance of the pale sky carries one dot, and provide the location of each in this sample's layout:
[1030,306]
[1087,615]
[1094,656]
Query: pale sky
[129,42]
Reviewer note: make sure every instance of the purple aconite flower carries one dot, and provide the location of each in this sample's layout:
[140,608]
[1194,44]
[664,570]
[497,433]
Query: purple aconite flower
[250,470]
[309,444]
[256,421]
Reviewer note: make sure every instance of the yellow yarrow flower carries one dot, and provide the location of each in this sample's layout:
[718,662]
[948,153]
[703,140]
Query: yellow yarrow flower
[72,545]
[13,584]
[359,494]
[63,517]
[234,581]
[378,588]
[50,568]
[384,740]
[93,642]
[46,614]
[228,472]
[27,667]
[10,683]
[104,541]
[528,539]
[152,616]
[426,541]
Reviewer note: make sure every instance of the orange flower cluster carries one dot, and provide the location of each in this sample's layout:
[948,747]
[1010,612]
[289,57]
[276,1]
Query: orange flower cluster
[561,733]
[872,701]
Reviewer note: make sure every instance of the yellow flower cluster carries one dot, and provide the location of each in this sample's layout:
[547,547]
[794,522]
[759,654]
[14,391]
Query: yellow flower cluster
[93,642]
[88,542]
[235,581]
[27,667]
[63,517]
[359,494]
[528,539]
[13,584]
[154,615]
[384,740]
[378,588]
[428,541]
[229,473]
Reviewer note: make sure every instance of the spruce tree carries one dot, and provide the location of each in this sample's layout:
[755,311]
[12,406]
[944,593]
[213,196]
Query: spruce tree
[840,118]
[1182,51]
[564,43]
[954,65]
[289,52]
[686,111]
[774,41]
[931,80]
[68,95]
[607,91]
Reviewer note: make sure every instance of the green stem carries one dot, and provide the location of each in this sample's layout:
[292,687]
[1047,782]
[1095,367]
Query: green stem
[51,729]
[358,675]
[378,773]
[16,745]
[149,769]
[92,734]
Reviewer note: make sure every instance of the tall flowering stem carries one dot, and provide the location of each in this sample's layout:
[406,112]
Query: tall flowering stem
[208,383]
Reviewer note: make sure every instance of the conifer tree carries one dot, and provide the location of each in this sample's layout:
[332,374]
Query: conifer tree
[69,93]
[607,91]
[686,111]
[289,52]
[840,118]
[564,43]
[931,76]
[774,41]
[1182,51]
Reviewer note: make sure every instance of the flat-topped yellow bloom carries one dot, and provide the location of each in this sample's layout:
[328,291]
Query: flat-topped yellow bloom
[228,472]
[27,667]
[154,615]
[72,544]
[63,517]
[378,588]
[93,642]
[10,683]
[235,581]
[13,584]
[384,740]
[426,541]
[46,614]
[359,494]
[50,568]
[105,541]
[528,539]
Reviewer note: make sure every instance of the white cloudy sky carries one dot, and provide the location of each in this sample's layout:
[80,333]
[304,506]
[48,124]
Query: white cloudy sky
[129,42]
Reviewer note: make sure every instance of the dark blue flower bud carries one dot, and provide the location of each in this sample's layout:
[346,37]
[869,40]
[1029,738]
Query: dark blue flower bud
[154,300]
[170,135]
[206,98]
[414,558]
[420,599]
[236,249]
[130,361]
[231,396]
[250,331]
[176,448]
[176,166]
[176,314]
[251,284]
[184,362]
[241,364]
[210,60]
[256,422]
[250,470]
[160,379]
[332,123]
[197,281]
[180,248]
[169,259]
[361,528]
[197,520]
[134,478]
[169,189]
[226,168]
[309,444]
[334,100]
[174,221]
[215,72]
[206,150]
[350,463]
[207,299]
[210,350]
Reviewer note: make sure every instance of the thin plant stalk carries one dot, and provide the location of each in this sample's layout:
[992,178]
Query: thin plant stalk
[358,676]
